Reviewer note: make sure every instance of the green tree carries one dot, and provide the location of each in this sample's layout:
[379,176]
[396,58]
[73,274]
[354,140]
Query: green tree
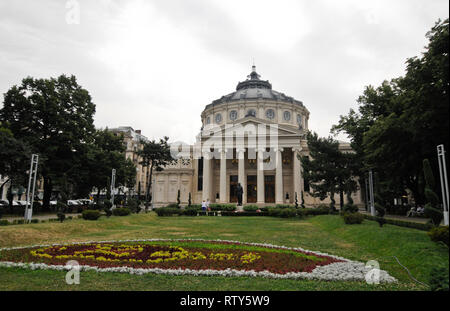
[55,118]
[330,171]
[402,121]
[14,159]
[154,156]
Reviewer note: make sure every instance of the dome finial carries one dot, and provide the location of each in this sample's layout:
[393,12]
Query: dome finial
[253,67]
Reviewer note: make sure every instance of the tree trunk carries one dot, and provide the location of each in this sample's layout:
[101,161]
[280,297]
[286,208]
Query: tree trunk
[341,199]
[149,183]
[98,195]
[48,188]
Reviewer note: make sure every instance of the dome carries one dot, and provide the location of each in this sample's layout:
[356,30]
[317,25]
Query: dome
[254,89]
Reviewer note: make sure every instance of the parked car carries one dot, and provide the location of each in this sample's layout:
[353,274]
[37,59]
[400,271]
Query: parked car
[73,202]
[85,201]
[4,203]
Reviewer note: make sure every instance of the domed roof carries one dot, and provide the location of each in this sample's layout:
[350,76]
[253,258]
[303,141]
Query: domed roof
[253,89]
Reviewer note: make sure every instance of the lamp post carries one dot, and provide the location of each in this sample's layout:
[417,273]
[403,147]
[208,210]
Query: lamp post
[113,186]
[444,181]
[31,179]
[372,201]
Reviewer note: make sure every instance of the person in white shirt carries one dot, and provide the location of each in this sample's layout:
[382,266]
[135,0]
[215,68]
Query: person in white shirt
[204,205]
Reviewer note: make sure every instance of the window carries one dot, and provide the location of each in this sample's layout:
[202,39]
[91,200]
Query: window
[233,115]
[218,118]
[270,114]
[287,116]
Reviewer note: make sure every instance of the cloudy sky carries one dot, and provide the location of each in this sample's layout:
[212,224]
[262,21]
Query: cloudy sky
[155,65]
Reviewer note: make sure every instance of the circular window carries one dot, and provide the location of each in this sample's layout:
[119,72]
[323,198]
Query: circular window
[287,116]
[233,115]
[270,114]
[299,119]
[218,118]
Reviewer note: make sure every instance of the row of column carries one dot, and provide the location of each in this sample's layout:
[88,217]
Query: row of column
[279,194]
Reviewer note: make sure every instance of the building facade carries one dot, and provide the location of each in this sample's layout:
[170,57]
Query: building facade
[132,140]
[251,137]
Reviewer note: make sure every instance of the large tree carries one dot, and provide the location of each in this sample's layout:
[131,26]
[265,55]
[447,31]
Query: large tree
[154,156]
[14,160]
[400,123]
[106,152]
[54,117]
[329,171]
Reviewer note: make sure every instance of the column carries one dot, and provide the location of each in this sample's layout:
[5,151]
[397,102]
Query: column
[297,175]
[241,173]
[206,193]
[223,176]
[279,177]
[260,199]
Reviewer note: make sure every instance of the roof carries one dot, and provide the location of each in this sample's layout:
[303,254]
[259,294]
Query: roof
[254,89]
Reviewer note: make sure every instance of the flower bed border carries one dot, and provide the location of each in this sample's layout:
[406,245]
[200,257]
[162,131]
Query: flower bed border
[346,270]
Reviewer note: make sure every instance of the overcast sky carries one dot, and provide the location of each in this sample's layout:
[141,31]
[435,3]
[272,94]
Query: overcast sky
[155,65]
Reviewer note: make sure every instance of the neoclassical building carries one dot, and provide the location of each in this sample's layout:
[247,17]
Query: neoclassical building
[253,137]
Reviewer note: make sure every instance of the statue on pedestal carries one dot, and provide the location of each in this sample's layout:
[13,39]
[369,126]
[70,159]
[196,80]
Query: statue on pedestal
[239,192]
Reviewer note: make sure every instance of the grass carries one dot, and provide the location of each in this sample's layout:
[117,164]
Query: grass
[329,234]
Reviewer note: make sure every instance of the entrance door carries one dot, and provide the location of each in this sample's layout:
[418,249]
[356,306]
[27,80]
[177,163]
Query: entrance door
[269,189]
[233,186]
[251,189]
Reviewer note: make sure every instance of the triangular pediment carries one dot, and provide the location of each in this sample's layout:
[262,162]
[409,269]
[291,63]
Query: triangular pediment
[252,125]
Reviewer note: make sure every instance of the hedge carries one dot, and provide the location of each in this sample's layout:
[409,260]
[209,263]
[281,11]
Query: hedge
[123,211]
[89,215]
[168,211]
[402,223]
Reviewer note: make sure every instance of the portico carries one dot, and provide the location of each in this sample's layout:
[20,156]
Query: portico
[252,137]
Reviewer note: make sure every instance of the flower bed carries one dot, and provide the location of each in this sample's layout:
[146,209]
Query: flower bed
[198,257]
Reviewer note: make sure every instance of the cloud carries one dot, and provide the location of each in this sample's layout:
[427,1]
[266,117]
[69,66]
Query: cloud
[155,65]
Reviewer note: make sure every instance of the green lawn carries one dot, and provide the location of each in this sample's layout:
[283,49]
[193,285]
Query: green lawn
[321,233]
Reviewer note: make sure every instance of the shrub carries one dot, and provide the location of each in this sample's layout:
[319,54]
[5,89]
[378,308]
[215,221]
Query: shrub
[91,214]
[284,206]
[225,213]
[4,222]
[439,279]
[34,221]
[282,212]
[133,205]
[350,208]
[172,205]
[167,211]
[223,207]
[123,211]
[108,212]
[353,218]
[434,214]
[61,216]
[288,212]
[402,223]
[251,208]
[439,234]
[189,211]
[321,210]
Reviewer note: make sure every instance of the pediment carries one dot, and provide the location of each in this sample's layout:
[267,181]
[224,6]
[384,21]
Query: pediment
[252,125]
